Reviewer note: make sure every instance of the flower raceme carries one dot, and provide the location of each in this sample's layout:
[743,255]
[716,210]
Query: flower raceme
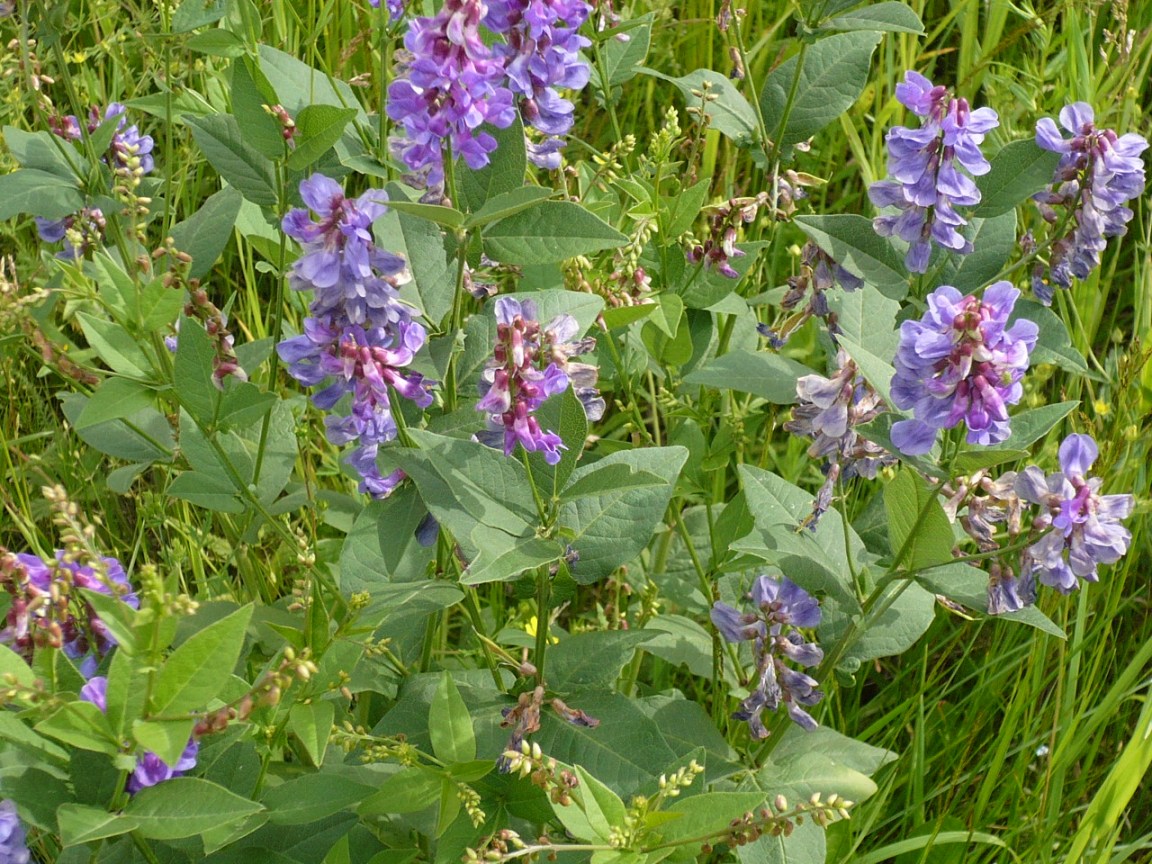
[925,164]
[530,364]
[779,608]
[13,847]
[1098,174]
[961,362]
[1085,525]
[360,338]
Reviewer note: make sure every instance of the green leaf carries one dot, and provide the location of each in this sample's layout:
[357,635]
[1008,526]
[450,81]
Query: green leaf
[1030,426]
[431,258]
[312,797]
[877,371]
[595,810]
[186,806]
[624,752]
[244,167]
[407,791]
[889,17]
[207,491]
[205,233]
[450,725]
[610,529]
[761,373]
[1019,170]
[1054,344]
[192,372]
[917,525]
[15,733]
[166,738]
[681,210]
[80,823]
[217,43]
[157,307]
[40,150]
[41,795]
[994,241]
[318,128]
[622,59]
[298,85]
[311,723]
[564,415]
[382,546]
[604,478]
[13,664]
[832,78]
[550,231]
[113,399]
[251,91]
[502,556]
[593,660]
[508,204]
[116,615]
[196,671]
[904,621]
[503,173]
[439,214]
[115,345]
[854,244]
[80,724]
[970,461]
[729,113]
[38,193]
[197,13]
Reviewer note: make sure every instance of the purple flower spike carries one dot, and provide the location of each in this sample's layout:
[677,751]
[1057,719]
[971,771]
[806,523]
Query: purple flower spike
[960,362]
[926,185]
[1098,174]
[1085,525]
[359,338]
[451,84]
[780,606]
[530,364]
[541,54]
[13,847]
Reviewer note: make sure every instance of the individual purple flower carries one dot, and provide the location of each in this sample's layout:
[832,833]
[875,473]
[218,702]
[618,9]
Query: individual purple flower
[1098,174]
[927,185]
[80,232]
[779,608]
[13,846]
[828,410]
[47,610]
[150,769]
[359,339]
[395,8]
[961,361]
[542,53]
[528,367]
[1085,529]
[451,83]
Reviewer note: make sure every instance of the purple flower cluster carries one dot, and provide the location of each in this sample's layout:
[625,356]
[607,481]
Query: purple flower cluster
[1084,525]
[924,163]
[780,608]
[129,154]
[961,361]
[531,363]
[150,769]
[13,847]
[1098,174]
[541,54]
[451,84]
[828,410]
[47,611]
[359,337]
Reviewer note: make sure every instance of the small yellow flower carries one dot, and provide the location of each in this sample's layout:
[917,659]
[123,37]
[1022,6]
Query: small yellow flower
[530,629]
[1102,408]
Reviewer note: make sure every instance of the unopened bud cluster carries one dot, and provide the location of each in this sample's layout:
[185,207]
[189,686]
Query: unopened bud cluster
[779,820]
[544,772]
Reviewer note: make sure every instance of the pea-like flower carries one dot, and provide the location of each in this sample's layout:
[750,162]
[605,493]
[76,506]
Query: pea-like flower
[925,164]
[47,610]
[1085,525]
[961,362]
[779,608]
[451,84]
[1098,174]
[13,846]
